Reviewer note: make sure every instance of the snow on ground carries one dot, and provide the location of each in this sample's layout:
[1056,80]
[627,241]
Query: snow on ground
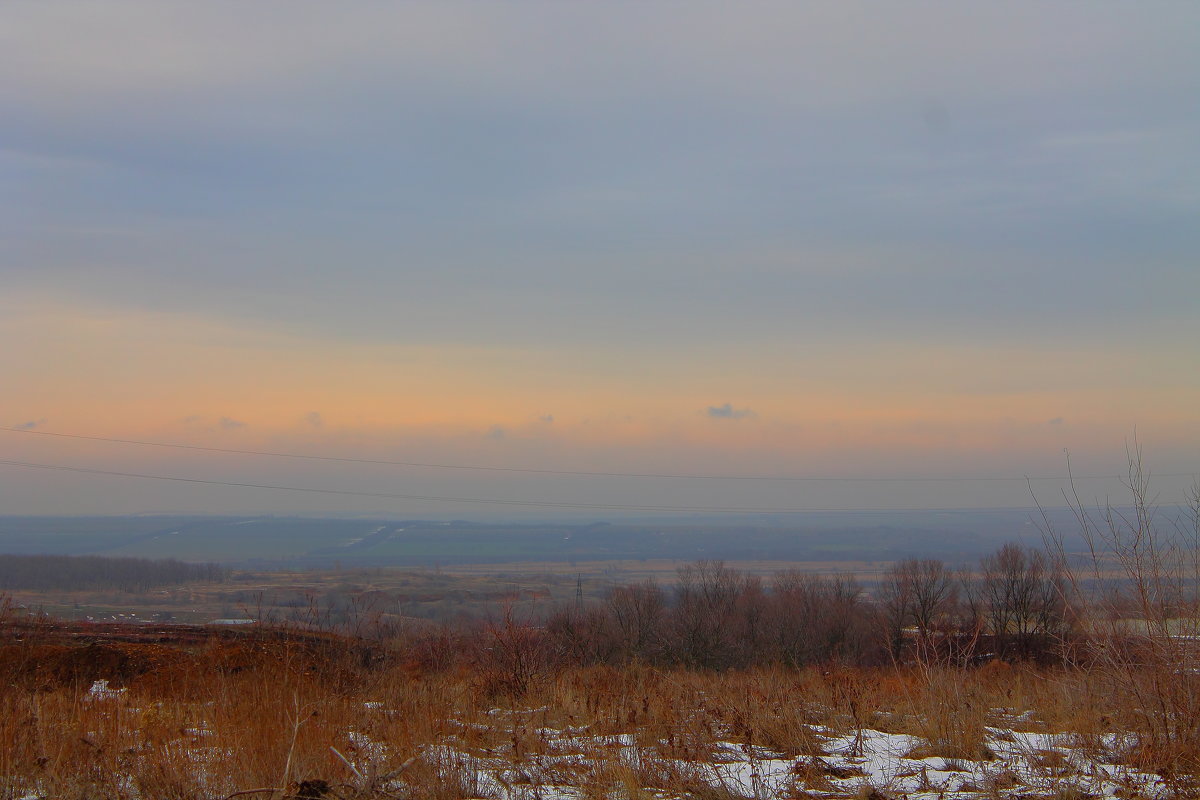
[100,690]
[866,764]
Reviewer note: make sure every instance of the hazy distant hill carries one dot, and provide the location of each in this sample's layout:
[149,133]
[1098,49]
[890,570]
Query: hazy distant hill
[876,536]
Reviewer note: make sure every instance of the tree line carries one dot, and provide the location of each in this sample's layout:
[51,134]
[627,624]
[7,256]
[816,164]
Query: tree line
[1013,606]
[56,573]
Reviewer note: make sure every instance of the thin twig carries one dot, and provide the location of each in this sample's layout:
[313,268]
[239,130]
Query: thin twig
[346,761]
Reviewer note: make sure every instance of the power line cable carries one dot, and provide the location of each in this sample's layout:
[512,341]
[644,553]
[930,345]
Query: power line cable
[487,501]
[579,473]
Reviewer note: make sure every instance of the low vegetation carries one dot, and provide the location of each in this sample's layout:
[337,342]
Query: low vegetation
[500,712]
[1036,673]
[51,573]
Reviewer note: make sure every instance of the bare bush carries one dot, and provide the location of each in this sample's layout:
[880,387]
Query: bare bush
[1021,592]
[510,656]
[919,594]
[817,619]
[638,612]
[1136,592]
[706,604]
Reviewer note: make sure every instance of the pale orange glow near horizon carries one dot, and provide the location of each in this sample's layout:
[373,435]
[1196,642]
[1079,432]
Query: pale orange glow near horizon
[635,239]
[153,375]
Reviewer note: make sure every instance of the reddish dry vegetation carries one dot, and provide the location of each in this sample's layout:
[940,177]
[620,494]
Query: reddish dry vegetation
[277,713]
[46,655]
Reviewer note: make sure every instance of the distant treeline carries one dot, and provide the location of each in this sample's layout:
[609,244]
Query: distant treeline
[47,573]
[1014,606]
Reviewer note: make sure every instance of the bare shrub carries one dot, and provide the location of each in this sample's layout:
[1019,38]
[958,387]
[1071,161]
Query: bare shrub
[816,619]
[706,604]
[510,656]
[639,613]
[1137,593]
[919,594]
[580,636]
[1021,598]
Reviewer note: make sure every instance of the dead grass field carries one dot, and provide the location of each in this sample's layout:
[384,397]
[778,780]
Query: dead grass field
[436,594]
[273,713]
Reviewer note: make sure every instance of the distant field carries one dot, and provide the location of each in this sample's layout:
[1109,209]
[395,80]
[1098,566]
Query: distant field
[343,570]
[860,539]
[334,596]
[348,593]
[468,590]
[663,571]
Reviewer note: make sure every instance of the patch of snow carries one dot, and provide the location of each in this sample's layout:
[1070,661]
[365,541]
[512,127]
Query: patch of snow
[100,690]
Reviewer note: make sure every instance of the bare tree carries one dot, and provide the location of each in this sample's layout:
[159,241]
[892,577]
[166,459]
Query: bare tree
[895,600]
[918,593]
[1022,591]
[816,618]
[638,612]
[580,636]
[933,592]
[706,596]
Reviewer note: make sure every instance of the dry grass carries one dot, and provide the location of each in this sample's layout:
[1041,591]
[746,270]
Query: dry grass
[295,715]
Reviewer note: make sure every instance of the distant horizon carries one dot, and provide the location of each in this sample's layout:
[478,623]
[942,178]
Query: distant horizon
[775,519]
[315,485]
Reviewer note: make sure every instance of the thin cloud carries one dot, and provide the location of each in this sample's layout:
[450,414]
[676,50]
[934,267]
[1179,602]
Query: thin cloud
[546,418]
[231,424]
[314,419]
[727,411]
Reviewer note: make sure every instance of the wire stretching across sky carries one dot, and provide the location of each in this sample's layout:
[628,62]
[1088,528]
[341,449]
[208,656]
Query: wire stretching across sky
[481,500]
[578,473]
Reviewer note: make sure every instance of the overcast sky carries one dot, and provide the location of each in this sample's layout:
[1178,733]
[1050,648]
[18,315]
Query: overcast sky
[878,239]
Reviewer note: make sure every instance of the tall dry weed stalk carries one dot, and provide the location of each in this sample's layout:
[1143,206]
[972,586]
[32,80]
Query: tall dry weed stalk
[1136,591]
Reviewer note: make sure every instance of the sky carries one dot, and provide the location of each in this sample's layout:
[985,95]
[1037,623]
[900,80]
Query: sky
[913,241]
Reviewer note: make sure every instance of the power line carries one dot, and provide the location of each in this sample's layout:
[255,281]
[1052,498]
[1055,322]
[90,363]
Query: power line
[578,473]
[482,501]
